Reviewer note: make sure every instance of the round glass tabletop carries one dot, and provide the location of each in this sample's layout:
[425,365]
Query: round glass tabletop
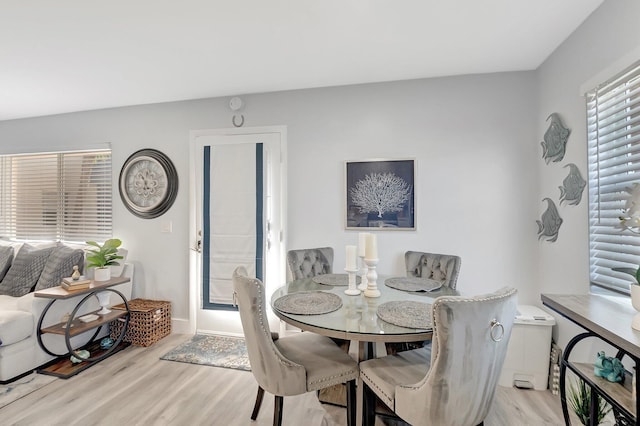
[357,318]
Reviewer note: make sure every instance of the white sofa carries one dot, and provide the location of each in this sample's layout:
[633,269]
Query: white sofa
[20,352]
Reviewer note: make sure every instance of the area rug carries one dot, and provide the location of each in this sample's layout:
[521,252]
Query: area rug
[216,351]
[15,390]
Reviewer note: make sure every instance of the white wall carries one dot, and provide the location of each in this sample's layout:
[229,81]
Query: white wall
[474,139]
[606,43]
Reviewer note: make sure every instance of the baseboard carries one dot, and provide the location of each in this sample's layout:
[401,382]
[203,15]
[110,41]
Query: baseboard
[219,333]
[181,326]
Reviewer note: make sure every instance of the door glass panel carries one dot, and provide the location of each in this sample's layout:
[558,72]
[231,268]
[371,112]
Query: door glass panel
[233,231]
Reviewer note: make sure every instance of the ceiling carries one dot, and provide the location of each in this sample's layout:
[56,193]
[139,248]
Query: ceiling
[73,55]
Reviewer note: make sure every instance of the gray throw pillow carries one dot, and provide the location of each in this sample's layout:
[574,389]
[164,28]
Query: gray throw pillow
[6,257]
[24,271]
[59,265]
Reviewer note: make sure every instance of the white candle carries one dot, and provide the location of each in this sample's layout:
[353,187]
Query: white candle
[371,251]
[362,243]
[351,258]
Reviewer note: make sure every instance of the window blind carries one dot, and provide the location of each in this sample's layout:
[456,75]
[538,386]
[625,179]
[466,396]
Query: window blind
[65,196]
[613,128]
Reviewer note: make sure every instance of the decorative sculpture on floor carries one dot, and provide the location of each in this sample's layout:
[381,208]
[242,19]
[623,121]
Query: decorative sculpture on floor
[549,224]
[572,186]
[555,140]
[608,368]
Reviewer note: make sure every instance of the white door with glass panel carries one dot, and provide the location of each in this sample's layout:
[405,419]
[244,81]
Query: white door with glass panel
[239,217]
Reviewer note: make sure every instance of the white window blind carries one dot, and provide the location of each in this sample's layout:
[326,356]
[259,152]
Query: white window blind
[613,126]
[64,196]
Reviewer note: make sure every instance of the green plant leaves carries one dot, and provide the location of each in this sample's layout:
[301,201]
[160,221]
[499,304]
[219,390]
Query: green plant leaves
[631,271]
[103,255]
[579,398]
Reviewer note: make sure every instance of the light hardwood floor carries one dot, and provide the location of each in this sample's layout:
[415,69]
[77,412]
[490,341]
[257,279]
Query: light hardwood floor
[135,387]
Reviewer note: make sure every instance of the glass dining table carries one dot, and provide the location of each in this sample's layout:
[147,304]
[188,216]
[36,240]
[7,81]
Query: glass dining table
[357,318]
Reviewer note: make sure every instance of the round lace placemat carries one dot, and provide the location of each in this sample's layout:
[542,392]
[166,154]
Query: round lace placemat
[413,284]
[334,279]
[308,303]
[406,313]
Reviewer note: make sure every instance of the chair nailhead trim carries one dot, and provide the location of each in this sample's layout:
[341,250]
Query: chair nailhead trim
[372,384]
[435,323]
[345,377]
[266,330]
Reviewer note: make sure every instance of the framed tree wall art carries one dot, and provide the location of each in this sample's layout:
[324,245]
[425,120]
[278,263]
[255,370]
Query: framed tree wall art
[380,194]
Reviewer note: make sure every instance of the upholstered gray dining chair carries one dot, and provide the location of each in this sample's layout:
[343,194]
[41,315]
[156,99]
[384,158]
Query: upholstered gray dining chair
[453,381]
[307,263]
[440,267]
[290,365]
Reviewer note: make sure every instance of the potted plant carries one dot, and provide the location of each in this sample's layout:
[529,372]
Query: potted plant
[102,257]
[634,288]
[630,221]
[579,397]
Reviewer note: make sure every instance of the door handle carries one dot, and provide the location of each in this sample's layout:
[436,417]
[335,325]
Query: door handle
[268,242]
[198,247]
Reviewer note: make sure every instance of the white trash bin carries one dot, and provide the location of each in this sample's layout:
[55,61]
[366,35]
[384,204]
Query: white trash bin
[527,362]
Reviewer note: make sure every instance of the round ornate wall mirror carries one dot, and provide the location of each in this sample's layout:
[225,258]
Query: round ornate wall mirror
[148,183]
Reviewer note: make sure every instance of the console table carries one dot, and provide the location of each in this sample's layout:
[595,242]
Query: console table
[62,367]
[610,321]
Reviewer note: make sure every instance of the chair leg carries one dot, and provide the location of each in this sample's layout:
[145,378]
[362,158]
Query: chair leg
[351,403]
[368,406]
[256,407]
[277,411]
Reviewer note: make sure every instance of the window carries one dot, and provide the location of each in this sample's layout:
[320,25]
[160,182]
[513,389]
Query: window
[613,127]
[64,196]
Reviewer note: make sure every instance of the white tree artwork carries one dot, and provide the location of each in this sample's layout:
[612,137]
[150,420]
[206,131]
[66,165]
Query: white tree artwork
[381,193]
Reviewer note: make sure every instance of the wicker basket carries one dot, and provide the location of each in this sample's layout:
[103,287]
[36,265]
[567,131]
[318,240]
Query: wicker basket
[150,321]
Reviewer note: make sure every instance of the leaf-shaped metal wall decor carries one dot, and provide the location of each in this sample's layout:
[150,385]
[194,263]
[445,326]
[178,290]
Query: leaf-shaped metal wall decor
[555,139]
[572,186]
[549,224]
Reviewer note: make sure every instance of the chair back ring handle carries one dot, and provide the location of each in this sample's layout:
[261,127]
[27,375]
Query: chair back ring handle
[497,330]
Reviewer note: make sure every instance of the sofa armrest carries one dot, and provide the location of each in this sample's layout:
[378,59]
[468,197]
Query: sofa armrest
[24,303]
[127,271]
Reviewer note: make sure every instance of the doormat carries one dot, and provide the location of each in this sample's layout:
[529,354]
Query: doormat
[216,351]
[22,387]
